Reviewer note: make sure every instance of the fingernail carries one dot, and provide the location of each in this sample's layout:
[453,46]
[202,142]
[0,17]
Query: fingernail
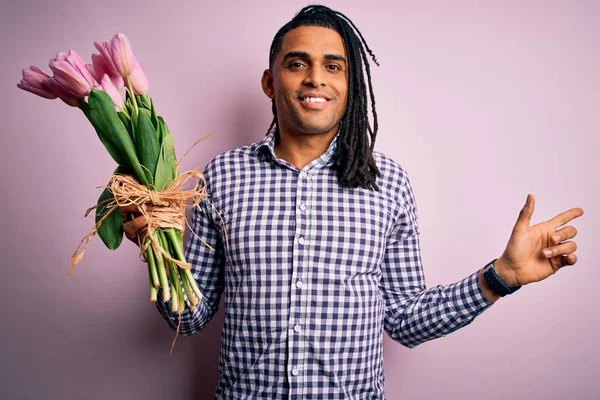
[547,253]
[556,238]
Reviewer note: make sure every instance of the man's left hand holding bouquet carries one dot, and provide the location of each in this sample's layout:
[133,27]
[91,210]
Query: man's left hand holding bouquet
[112,93]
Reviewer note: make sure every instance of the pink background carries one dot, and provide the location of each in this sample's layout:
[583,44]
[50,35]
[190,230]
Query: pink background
[481,102]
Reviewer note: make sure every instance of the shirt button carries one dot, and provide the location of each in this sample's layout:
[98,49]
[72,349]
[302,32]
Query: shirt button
[301,241]
[303,206]
[304,174]
[295,371]
[297,328]
[299,284]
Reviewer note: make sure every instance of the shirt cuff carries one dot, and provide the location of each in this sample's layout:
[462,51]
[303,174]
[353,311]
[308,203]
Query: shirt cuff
[468,298]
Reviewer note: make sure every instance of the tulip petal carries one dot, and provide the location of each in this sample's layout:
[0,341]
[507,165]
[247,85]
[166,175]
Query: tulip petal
[90,67]
[68,75]
[118,81]
[78,63]
[113,92]
[139,81]
[62,92]
[38,70]
[62,56]
[45,93]
[103,48]
[35,77]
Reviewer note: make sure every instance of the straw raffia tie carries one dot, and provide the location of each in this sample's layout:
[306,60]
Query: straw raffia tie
[162,209]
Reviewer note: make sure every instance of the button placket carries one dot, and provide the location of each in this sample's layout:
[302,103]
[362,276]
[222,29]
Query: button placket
[307,252]
[296,353]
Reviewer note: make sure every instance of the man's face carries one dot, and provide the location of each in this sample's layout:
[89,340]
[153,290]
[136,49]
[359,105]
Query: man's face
[309,81]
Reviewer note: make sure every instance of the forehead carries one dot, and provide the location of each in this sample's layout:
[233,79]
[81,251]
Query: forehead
[315,40]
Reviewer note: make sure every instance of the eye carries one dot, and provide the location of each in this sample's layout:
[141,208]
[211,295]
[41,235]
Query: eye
[333,67]
[296,65]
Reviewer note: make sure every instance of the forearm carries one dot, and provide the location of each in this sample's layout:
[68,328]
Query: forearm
[436,311]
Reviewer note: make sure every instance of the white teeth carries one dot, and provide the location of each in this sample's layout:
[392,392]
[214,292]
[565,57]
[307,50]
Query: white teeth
[314,99]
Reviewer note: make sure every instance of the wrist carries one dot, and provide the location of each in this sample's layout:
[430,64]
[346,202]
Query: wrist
[495,282]
[505,272]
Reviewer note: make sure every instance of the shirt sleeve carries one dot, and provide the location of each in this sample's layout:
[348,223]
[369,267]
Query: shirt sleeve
[415,314]
[207,269]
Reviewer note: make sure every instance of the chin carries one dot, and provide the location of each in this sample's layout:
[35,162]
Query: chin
[317,129]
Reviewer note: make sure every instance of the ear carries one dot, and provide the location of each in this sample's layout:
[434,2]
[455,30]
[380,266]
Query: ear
[267,84]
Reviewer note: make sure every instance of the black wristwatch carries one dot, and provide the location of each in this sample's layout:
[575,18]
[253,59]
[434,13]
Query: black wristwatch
[496,283]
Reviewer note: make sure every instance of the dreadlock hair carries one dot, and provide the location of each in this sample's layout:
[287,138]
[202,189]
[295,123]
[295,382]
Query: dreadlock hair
[354,161]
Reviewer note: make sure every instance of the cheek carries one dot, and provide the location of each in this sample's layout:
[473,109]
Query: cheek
[283,94]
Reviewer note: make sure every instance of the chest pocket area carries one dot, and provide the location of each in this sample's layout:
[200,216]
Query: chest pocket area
[351,236]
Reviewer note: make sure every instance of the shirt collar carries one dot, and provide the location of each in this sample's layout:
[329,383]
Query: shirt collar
[267,146]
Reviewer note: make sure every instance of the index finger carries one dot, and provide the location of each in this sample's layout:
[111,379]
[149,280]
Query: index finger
[565,217]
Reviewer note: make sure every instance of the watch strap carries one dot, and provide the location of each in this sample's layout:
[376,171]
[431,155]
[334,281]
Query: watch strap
[495,282]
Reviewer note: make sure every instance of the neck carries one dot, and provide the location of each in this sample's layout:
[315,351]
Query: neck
[301,149]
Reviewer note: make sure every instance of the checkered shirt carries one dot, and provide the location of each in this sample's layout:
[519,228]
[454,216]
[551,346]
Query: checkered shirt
[312,273]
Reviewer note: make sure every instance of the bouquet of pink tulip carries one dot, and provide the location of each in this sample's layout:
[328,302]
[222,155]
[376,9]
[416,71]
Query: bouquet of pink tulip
[112,93]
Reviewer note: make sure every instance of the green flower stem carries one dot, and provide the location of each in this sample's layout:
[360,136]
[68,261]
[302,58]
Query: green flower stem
[152,265]
[162,272]
[136,110]
[179,289]
[193,300]
[174,301]
[172,246]
[177,243]
[153,289]
[193,284]
[178,301]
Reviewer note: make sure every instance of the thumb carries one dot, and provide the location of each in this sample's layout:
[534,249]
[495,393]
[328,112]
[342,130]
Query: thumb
[526,213]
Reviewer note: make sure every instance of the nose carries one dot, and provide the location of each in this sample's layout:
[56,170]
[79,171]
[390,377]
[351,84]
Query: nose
[314,77]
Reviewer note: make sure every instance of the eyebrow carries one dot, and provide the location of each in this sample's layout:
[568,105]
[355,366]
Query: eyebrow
[304,54]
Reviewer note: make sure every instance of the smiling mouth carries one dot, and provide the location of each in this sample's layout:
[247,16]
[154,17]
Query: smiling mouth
[313,101]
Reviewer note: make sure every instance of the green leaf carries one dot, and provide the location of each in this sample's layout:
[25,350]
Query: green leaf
[124,118]
[102,114]
[143,102]
[113,149]
[153,116]
[147,145]
[111,230]
[161,130]
[165,135]
[148,114]
[162,178]
[166,169]
[170,157]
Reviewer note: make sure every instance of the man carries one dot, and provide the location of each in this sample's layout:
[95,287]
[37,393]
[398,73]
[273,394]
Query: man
[318,247]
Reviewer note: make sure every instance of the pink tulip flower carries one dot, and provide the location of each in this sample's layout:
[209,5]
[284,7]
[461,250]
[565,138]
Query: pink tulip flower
[62,93]
[118,54]
[71,72]
[122,55]
[34,81]
[138,78]
[104,49]
[100,67]
[107,85]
